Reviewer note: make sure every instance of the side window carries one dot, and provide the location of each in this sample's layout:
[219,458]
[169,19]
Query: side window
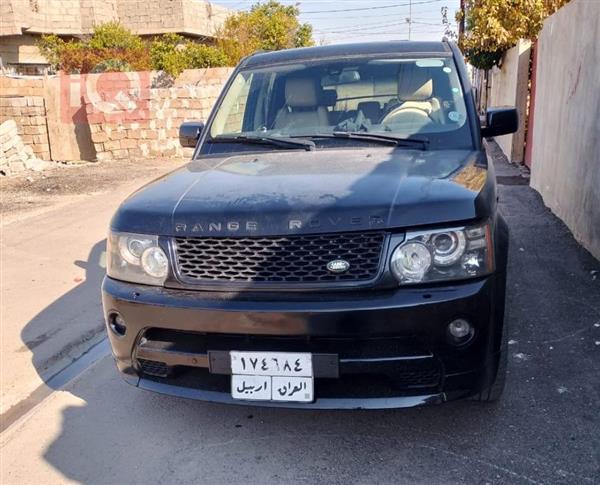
[230,118]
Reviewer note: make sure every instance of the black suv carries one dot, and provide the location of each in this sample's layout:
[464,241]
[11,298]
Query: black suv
[335,241]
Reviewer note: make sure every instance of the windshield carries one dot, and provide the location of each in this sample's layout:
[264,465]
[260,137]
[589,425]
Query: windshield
[418,98]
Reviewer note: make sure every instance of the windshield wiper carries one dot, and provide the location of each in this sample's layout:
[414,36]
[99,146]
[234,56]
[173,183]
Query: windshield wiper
[376,137]
[278,141]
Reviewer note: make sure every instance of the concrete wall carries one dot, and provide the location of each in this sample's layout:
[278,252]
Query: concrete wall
[20,49]
[509,87]
[77,17]
[566,134]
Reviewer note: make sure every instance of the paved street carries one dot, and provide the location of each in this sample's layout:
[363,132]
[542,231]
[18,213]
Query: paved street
[52,266]
[99,430]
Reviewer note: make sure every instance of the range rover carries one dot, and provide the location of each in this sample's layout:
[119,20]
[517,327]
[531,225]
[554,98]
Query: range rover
[334,242]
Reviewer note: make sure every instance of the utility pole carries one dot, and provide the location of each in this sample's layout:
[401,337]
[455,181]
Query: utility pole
[461,25]
[409,18]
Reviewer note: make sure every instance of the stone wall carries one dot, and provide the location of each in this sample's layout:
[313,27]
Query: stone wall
[13,86]
[110,115]
[565,152]
[29,116]
[16,156]
[149,125]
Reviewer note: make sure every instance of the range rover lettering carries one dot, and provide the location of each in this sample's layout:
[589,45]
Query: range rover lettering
[334,242]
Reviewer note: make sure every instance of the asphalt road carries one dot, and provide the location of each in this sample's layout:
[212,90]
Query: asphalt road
[52,265]
[546,429]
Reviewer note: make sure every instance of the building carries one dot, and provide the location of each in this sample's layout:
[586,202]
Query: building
[22,22]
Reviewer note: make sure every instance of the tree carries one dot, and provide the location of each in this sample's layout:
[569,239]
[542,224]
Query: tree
[494,26]
[267,26]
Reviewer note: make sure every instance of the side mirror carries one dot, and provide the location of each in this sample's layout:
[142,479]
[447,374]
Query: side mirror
[500,121]
[189,132]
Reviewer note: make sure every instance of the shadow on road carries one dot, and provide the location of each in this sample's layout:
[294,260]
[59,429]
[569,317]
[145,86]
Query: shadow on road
[64,327]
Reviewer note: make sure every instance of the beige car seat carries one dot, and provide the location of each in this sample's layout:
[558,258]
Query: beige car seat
[415,94]
[302,108]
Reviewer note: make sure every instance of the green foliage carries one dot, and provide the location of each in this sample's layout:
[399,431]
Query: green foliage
[483,59]
[165,53]
[113,48]
[113,35]
[173,54]
[267,26]
[494,26]
[202,56]
[50,46]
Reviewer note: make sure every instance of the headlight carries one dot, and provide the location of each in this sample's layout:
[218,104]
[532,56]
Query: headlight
[443,254]
[136,258]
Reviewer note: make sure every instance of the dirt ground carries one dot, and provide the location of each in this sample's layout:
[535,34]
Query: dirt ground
[34,191]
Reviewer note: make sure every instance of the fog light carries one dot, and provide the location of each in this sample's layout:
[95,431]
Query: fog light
[460,331]
[117,324]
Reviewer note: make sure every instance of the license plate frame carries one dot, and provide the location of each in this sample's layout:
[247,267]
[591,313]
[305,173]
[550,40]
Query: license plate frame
[272,376]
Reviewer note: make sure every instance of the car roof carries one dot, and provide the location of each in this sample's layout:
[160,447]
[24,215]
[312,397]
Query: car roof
[400,48]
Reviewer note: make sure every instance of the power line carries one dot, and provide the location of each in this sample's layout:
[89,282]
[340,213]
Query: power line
[388,32]
[363,26]
[356,27]
[371,8]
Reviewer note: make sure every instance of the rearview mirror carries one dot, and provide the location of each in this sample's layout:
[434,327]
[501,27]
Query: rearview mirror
[189,132]
[500,121]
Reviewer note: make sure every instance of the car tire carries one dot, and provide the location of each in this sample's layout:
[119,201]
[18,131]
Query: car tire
[494,392]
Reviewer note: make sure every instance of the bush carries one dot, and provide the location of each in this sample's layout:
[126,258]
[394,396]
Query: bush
[113,48]
[172,54]
[165,54]
[50,46]
[113,35]
[202,56]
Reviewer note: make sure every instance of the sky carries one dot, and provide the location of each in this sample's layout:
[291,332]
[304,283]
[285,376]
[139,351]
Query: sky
[340,21]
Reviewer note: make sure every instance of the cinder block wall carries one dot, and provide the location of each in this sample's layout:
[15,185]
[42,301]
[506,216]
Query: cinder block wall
[10,86]
[150,128]
[29,114]
[565,165]
[61,120]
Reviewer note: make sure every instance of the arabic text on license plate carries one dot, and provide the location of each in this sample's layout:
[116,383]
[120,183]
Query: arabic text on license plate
[285,364]
[276,388]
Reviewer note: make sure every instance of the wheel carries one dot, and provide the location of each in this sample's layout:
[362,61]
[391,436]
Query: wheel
[493,393]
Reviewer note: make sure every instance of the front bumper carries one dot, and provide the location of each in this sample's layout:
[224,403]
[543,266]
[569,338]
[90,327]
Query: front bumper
[390,348]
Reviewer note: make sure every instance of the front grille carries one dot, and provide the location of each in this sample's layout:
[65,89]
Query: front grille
[280,259]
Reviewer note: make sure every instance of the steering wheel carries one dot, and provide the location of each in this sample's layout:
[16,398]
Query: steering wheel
[404,111]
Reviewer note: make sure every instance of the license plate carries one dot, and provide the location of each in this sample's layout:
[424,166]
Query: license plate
[272,376]
[285,364]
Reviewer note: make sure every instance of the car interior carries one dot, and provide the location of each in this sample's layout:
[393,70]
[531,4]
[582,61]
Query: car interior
[403,94]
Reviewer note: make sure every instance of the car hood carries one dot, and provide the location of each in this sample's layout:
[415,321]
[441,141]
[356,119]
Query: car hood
[289,192]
